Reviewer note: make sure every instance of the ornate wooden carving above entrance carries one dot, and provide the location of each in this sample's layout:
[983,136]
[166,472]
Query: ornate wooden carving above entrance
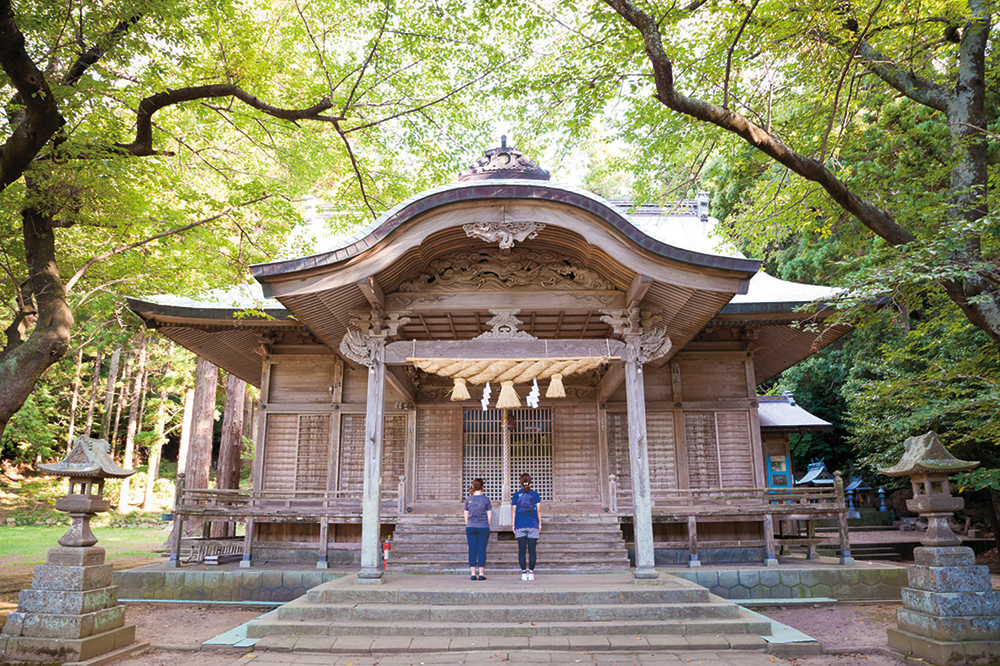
[503,232]
[504,327]
[490,269]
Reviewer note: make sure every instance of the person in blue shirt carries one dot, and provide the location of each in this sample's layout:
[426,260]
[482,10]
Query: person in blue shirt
[478,515]
[527,525]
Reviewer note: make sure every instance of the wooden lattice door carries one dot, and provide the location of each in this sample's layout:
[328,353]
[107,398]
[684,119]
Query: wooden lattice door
[530,449]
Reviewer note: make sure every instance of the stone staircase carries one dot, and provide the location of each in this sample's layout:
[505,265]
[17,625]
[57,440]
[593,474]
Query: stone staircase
[435,613]
[568,544]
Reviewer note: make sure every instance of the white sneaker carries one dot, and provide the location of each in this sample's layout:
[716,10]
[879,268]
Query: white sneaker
[531,575]
[524,575]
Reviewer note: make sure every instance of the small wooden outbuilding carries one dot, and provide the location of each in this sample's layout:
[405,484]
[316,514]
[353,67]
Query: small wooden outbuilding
[656,336]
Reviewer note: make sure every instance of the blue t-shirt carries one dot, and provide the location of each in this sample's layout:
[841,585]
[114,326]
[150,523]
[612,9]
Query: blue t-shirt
[478,506]
[525,508]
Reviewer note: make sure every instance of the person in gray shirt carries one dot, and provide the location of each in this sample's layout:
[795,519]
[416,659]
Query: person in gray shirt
[478,515]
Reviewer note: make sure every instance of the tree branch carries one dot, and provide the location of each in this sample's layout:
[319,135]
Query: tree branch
[729,54]
[143,144]
[876,219]
[919,89]
[131,246]
[40,117]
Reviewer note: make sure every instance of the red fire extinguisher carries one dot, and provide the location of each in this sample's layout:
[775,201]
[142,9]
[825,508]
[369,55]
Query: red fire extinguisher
[386,546]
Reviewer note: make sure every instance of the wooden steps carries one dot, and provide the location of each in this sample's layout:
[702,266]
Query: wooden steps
[869,551]
[568,544]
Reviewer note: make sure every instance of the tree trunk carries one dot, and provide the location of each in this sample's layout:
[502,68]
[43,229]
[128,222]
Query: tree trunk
[227,472]
[74,398]
[95,386]
[155,449]
[122,394]
[133,423]
[199,463]
[109,393]
[22,362]
[182,456]
[185,443]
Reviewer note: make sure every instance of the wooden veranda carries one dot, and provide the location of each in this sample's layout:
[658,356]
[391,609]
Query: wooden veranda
[770,507]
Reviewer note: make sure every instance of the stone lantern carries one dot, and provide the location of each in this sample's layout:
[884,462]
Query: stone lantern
[929,464]
[71,612]
[950,611]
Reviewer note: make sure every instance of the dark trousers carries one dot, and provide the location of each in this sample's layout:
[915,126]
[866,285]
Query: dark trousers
[477,538]
[524,543]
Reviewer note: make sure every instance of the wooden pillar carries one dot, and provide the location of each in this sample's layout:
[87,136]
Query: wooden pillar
[505,514]
[642,518]
[845,539]
[692,529]
[770,545]
[371,509]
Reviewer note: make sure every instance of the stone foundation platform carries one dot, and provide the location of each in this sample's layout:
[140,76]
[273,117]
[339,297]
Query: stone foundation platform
[71,612]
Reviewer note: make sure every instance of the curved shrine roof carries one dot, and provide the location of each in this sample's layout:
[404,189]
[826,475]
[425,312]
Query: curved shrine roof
[695,279]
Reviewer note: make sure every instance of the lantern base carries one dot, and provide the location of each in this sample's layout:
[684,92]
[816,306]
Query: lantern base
[71,612]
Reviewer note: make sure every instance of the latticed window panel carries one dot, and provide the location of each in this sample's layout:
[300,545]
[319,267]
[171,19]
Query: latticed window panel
[352,451]
[719,450]
[313,452]
[530,449]
[618,456]
[702,450]
[279,451]
[393,450]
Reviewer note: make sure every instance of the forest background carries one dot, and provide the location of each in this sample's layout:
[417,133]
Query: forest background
[162,146]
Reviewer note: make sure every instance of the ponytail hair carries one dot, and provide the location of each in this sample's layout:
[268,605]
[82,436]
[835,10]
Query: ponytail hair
[477,486]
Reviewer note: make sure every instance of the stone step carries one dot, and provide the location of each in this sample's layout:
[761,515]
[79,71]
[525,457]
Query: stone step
[405,645]
[547,544]
[475,595]
[442,555]
[580,531]
[259,629]
[397,613]
[502,568]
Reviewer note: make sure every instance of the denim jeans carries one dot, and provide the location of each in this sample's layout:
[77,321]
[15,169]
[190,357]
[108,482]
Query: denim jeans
[524,543]
[477,538]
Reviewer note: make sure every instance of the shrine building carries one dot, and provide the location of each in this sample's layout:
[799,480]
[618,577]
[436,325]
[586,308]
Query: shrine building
[619,352]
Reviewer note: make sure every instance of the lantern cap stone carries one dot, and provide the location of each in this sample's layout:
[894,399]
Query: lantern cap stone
[926,453]
[88,458]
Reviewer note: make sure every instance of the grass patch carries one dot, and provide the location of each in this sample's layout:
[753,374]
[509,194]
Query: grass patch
[28,545]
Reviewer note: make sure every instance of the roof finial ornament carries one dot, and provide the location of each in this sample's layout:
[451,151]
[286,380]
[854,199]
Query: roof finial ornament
[505,162]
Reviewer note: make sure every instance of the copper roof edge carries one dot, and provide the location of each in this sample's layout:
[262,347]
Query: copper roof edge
[466,191]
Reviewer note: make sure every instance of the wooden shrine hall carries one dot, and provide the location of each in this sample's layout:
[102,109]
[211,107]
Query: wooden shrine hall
[504,324]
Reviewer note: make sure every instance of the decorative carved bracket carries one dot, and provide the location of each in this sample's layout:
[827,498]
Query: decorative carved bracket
[377,321]
[650,345]
[642,331]
[631,321]
[505,325]
[504,232]
[361,347]
[365,343]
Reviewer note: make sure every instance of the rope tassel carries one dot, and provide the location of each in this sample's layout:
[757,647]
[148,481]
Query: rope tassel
[508,396]
[556,389]
[460,392]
